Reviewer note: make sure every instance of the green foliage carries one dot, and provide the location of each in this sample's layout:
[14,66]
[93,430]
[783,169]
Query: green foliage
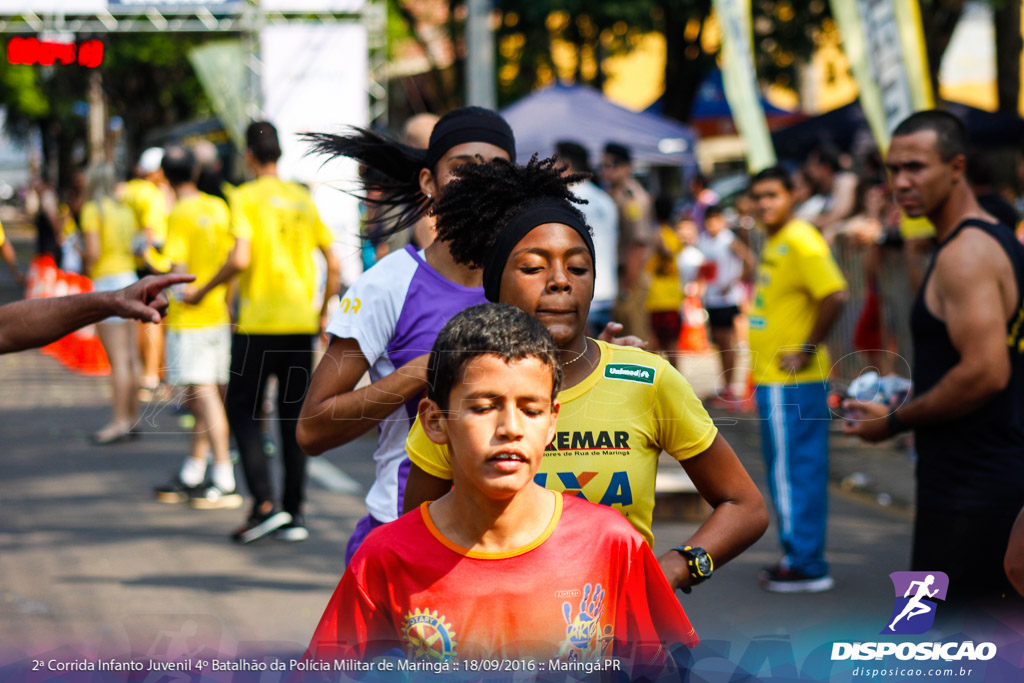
[783,36]
[398,28]
[19,89]
[149,80]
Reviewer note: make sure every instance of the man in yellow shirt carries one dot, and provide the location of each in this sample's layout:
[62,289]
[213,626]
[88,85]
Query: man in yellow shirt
[199,337]
[276,229]
[799,294]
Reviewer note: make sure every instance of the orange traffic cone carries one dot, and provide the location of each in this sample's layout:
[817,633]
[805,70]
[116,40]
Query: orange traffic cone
[693,337]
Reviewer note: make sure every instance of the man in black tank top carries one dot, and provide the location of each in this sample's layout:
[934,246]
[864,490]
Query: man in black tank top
[967,411]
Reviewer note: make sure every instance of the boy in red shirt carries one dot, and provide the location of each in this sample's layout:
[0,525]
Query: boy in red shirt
[500,568]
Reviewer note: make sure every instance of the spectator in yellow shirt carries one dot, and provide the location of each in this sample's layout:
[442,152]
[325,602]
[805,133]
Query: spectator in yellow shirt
[276,229]
[199,337]
[799,295]
[109,228]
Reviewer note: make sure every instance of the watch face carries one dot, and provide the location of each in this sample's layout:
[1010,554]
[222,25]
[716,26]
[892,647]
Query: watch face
[704,564]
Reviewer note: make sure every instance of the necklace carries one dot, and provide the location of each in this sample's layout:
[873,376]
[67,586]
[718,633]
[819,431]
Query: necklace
[582,353]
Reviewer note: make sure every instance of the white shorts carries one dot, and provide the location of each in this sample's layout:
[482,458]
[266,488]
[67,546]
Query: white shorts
[199,356]
[112,283]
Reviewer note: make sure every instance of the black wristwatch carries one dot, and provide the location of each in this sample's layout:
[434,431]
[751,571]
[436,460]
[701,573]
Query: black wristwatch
[699,563]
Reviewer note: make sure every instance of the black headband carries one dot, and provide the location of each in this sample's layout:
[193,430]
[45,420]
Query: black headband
[538,213]
[469,124]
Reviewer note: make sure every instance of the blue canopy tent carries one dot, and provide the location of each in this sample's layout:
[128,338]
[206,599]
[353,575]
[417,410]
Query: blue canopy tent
[584,115]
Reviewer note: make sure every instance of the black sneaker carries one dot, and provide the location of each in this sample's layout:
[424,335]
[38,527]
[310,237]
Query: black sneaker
[214,497]
[176,491]
[259,525]
[782,580]
[293,531]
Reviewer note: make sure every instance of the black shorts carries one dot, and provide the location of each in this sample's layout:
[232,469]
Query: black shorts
[722,317]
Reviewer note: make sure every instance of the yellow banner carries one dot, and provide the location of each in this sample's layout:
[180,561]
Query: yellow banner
[740,80]
[884,43]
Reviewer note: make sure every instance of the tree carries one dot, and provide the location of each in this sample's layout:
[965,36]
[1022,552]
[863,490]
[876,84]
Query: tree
[784,34]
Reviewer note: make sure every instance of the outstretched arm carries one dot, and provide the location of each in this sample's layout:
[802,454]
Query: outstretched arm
[36,322]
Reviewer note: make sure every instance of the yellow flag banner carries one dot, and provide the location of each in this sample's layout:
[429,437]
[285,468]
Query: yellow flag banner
[740,81]
[884,43]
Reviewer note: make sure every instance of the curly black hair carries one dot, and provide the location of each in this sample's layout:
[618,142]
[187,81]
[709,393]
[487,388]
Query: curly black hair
[476,206]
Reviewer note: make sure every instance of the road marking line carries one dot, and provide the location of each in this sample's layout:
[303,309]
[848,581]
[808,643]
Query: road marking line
[332,478]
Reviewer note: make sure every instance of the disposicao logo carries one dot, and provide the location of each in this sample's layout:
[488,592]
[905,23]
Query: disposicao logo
[914,613]
[629,372]
[916,595]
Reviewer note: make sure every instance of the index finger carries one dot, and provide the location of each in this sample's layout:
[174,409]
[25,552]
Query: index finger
[172,279]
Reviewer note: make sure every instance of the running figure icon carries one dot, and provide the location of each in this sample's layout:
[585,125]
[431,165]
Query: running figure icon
[915,607]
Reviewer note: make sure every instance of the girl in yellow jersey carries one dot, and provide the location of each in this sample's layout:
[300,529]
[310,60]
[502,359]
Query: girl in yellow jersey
[620,406]
[109,227]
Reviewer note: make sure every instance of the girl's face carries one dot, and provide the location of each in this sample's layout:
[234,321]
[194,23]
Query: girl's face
[550,275]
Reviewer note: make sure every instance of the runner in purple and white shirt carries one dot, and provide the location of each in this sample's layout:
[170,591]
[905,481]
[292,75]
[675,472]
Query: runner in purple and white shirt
[389,319]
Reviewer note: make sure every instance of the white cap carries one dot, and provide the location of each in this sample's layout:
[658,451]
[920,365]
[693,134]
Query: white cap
[149,161]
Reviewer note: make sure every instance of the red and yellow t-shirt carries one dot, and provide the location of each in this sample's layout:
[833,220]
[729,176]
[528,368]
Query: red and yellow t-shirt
[588,588]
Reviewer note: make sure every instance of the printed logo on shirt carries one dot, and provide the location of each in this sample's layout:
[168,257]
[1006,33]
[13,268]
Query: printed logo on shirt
[585,639]
[618,491]
[428,637]
[629,372]
[350,305]
[590,441]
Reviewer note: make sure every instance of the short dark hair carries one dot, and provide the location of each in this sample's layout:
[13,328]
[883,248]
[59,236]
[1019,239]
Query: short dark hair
[619,152]
[574,153]
[712,211]
[773,173]
[179,165]
[950,131]
[488,329]
[261,139]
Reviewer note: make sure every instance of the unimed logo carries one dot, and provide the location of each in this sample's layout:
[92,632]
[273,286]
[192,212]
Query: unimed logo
[630,372]
[916,595]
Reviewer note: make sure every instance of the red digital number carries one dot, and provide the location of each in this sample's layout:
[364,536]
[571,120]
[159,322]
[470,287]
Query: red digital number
[46,53]
[90,54]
